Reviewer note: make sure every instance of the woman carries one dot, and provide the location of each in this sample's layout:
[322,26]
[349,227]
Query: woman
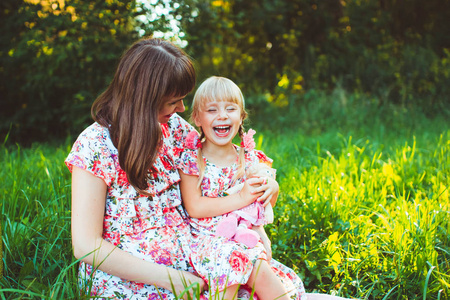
[127,225]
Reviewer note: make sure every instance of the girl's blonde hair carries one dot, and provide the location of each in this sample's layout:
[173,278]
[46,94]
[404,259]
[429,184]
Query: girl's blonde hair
[219,89]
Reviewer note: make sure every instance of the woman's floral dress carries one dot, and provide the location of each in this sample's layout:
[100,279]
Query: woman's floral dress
[220,261]
[152,228]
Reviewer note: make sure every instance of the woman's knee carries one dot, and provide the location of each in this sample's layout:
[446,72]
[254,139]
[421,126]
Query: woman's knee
[261,272]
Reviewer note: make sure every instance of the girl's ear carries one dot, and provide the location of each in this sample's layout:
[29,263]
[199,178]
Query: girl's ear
[197,123]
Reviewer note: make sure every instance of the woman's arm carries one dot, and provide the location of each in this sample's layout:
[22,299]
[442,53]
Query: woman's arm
[88,206]
[199,206]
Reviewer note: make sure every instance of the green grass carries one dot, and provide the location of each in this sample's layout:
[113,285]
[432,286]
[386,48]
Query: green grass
[363,210]
[364,222]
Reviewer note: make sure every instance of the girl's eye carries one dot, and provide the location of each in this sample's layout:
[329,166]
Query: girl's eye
[231,108]
[211,109]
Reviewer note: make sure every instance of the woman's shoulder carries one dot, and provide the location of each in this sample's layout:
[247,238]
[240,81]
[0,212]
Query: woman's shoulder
[95,136]
[257,156]
[95,130]
[94,151]
[178,123]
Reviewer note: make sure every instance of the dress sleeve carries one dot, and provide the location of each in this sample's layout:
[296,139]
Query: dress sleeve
[257,156]
[90,152]
[175,133]
[188,162]
[263,158]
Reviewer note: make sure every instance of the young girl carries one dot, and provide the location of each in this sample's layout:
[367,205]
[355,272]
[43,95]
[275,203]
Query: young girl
[208,169]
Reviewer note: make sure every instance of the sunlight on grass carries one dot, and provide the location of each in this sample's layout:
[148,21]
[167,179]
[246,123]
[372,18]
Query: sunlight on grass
[361,221]
[366,218]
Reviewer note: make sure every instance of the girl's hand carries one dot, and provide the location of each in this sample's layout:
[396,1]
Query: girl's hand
[270,189]
[182,280]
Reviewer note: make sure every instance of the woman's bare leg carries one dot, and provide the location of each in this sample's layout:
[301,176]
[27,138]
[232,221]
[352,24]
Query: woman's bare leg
[313,296]
[230,293]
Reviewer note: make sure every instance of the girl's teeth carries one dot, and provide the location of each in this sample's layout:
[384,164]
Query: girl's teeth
[222,129]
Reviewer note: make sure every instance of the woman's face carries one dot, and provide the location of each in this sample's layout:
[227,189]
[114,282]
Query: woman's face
[171,105]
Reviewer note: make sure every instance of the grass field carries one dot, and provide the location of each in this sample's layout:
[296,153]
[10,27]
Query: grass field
[363,211]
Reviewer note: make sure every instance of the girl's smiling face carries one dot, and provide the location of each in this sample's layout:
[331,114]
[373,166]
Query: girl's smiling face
[219,121]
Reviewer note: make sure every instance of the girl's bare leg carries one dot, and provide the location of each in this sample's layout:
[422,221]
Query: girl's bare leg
[267,285]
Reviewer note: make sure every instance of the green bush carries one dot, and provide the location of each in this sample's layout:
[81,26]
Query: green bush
[56,57]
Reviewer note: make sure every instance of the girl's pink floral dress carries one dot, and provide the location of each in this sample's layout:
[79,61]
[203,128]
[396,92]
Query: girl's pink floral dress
[221,261]
[152,228]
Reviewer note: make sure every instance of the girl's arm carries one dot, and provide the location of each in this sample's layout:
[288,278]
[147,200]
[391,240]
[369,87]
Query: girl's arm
[265,240]
[88,206]
[199,206]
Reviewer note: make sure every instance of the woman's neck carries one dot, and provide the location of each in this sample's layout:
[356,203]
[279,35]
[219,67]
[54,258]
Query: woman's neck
[224,155]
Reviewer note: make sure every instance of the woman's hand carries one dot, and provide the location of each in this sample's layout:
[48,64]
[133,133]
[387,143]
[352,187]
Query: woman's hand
[268,246]
[270,188]
[182,279]
[265,240]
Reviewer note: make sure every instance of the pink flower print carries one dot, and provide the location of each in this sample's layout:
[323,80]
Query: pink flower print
[166,163]
[165,130]
[206,184]
[193,141]
[133,286]
[207,220]
[143,247]
[248,143]
[97,168]
[122,179]
[112,236]
[221,184]
[222,280]
[277,271]
[239,261]
[164,258]
[177,151]
[161,256]
[169,218]
[156,296]
[263,158]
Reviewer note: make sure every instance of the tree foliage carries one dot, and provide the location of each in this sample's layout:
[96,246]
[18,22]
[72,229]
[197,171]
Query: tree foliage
[56,56]
[397,50]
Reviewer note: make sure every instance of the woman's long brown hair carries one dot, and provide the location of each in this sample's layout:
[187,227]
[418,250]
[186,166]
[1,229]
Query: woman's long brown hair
[150,72]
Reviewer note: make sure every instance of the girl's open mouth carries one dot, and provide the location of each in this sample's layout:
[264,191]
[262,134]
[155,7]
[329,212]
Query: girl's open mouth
[222,130]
